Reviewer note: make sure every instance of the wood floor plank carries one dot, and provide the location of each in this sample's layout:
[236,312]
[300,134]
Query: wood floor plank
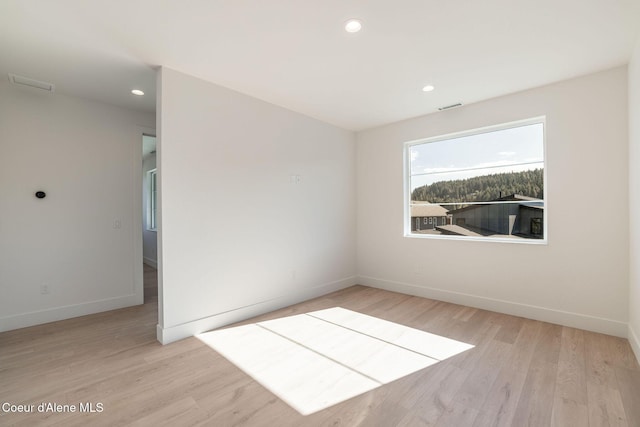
[629,385]
[427,404]
[510,328]
[458,415]
[473,391]
[570,401]
[503,396]
[538,392]
[603,396]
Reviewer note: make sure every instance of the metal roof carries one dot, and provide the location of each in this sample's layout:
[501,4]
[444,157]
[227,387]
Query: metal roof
[420,210]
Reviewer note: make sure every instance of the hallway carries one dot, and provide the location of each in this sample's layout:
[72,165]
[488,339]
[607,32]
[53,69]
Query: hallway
[150,284]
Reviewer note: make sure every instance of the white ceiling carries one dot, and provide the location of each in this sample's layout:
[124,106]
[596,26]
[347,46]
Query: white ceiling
[295,53]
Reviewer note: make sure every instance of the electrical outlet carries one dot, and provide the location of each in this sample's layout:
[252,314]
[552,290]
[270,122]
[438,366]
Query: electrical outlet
[117,224]
[44,289]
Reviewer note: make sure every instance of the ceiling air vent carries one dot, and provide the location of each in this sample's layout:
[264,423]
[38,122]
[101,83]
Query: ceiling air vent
[26,81]
[459,104]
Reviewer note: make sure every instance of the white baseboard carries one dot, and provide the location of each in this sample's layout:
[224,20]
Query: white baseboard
[33,318]
[185,330]
[151,262]
[565,318]
[635,342]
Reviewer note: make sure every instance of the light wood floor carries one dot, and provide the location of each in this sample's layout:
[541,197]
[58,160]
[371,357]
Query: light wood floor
[521,373]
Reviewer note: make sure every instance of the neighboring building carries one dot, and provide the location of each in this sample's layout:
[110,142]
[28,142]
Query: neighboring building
[428,216]
[531,221]
[524,219]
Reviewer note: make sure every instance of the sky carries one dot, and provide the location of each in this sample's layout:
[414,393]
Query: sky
[508,150]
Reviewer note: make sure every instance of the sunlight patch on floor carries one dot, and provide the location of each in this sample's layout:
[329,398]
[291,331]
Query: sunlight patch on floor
[318,359]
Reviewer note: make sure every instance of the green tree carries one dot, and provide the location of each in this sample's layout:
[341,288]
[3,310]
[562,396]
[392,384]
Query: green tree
[483,188]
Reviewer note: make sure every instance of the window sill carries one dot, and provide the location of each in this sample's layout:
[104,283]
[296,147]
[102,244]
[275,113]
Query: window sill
[515,240]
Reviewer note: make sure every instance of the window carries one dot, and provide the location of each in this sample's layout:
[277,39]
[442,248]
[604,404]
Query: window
[536,226]
[424,220]
[152,205]
[489,182]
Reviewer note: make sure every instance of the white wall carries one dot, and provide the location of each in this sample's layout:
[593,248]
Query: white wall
[581,277]
[149,238]
[634,200]
[237,237]
[86,156]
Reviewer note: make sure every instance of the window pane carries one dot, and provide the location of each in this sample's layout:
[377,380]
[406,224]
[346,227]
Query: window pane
[485,184]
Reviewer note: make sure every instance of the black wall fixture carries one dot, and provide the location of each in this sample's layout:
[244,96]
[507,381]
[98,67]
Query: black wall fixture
[41,194]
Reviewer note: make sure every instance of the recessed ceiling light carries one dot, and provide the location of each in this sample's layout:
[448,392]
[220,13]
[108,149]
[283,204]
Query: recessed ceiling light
[428,88]
[137,92]
[353,26]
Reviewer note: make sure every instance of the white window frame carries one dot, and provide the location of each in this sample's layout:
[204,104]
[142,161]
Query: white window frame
[152,200]
[493,128]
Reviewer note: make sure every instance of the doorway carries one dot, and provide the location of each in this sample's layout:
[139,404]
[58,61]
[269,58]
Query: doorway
[149,218]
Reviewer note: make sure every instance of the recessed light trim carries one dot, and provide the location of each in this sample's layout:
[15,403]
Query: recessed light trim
[428,88]
[137,92]
[353,25]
